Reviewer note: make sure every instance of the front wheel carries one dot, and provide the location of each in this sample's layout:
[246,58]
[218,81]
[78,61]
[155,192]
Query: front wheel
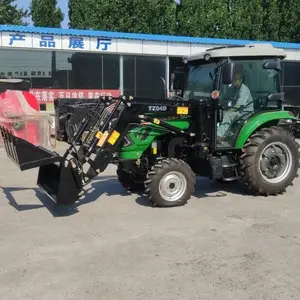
[170,182]
[270,161]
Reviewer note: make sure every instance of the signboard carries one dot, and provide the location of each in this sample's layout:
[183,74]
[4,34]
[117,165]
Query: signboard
[48,95]
[57,42]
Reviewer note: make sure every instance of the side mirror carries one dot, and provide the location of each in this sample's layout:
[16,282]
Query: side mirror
[276,97]
[272,65]
[227,73]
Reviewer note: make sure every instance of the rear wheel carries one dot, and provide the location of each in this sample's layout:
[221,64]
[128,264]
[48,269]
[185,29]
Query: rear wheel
[270,161]
[170,182]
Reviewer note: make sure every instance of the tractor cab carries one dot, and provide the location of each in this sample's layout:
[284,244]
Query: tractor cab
[240,82]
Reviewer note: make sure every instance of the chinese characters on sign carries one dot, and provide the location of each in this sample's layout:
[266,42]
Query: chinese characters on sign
[48,95]
[79,43]
[16,37]
[47,41]
[50,41]
[75,43]
[103,44]
[26,74]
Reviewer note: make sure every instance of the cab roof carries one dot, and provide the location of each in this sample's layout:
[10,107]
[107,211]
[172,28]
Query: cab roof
[263,50]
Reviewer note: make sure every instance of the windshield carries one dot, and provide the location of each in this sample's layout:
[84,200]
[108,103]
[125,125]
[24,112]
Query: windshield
[199,81]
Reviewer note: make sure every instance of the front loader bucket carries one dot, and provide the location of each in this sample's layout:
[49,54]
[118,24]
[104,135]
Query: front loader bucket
[57,177]
[61,182]
[24,154]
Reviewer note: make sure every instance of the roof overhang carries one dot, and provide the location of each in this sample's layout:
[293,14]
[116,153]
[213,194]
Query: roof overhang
[248,50]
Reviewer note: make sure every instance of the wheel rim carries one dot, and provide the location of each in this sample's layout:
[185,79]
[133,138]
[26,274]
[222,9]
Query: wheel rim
[275,162]
[172,186]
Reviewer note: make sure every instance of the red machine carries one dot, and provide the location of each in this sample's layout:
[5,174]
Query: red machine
[19,112]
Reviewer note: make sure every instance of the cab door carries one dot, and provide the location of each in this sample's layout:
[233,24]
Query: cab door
[244,97]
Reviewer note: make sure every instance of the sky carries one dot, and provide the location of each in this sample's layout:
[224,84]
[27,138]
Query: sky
[63,4]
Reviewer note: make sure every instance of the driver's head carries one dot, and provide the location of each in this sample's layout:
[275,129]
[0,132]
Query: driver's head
[237,77]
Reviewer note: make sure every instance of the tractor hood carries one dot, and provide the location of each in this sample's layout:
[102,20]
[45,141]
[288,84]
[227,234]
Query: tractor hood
[140,138]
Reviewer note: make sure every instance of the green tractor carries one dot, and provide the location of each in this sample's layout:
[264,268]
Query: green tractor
[226,122]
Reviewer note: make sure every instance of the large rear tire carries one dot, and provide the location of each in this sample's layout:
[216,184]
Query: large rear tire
[171,182]
[270,160]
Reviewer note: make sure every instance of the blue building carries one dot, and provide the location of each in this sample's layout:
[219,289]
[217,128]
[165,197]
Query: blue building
[85,63]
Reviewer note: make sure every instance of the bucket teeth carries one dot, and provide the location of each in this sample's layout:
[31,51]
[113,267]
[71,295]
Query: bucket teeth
[24,154]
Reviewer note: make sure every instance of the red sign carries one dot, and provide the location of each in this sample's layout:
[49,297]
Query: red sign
[48,95]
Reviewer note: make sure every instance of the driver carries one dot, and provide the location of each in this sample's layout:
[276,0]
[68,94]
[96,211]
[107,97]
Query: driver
[242,100]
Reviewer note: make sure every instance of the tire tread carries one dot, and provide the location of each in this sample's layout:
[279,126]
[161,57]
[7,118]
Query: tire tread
[247,161]
[158,170]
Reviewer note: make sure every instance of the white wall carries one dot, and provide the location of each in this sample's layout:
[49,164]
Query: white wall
[121,46]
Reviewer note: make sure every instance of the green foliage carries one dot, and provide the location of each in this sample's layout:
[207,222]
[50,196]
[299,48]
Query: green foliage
[10,14]
[45,13]
[240,19]
[234,19]
[204,18]
[289,21]
[147,16]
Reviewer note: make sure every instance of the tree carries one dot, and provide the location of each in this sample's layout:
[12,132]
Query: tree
[271,20]
[246,19]
[203,18]
[10,14]
[289,24]
[45,13]
[238,19]
[147,16]
[232,19]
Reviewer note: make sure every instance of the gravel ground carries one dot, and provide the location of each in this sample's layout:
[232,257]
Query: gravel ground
[225,244]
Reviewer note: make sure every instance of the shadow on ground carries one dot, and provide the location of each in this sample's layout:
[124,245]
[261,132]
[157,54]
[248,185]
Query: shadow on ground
[110,186]
[106,185]
[206,188]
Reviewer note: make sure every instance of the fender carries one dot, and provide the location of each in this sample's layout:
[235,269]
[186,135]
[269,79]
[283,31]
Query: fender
[257,121]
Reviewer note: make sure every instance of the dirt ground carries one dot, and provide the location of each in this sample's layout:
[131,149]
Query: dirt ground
[224,244]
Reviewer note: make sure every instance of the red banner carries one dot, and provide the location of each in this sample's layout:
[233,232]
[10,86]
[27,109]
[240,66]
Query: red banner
[48,95]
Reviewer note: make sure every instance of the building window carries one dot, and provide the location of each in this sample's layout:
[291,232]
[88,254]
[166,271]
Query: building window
[291,83]
[291,73]
[111,72]
[129,81]
[61,70]
[62,73]
[86,71]
[27,64]
[144,76]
